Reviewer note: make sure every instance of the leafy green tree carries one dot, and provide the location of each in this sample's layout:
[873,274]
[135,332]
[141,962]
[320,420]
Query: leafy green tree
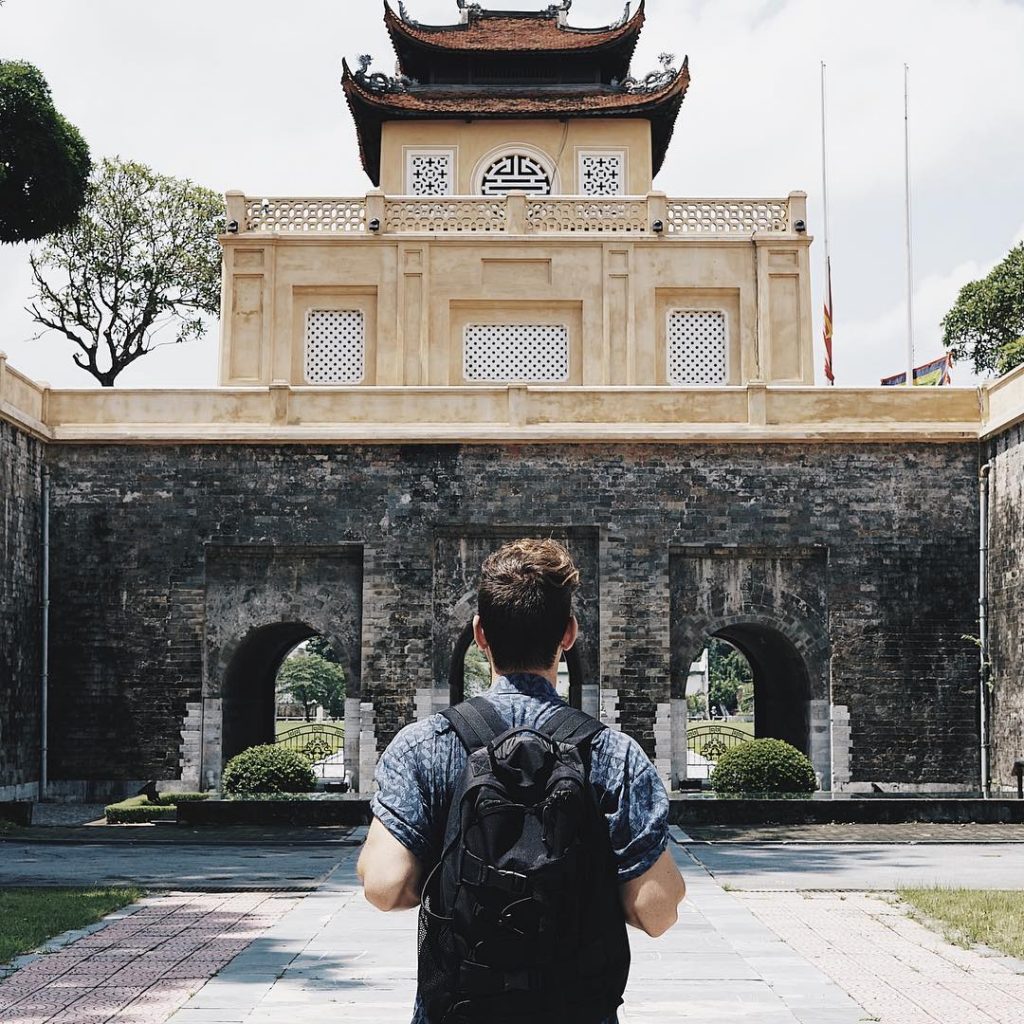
[696,705]
[477,672]
[142,258]
[313,681]
[44,161]
[986,325]
[321,646]
[730,677]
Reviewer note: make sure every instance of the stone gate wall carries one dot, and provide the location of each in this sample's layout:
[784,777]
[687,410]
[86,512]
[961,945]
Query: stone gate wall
[132,523]
[1006,603]
[20,575]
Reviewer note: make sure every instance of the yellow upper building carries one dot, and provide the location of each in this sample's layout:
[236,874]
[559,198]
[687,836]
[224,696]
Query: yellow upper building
[515,236]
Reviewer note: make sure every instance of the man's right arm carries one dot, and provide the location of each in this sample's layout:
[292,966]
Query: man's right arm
[650,902]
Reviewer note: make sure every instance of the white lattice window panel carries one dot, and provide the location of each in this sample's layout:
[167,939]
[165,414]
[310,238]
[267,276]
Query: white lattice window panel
[516,352]
[515,172]
[697,347]
[335,346]
[602,174]
[430,173]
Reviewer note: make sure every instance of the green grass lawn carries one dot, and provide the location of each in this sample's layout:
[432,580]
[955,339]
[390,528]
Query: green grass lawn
[28,917]
[967,916]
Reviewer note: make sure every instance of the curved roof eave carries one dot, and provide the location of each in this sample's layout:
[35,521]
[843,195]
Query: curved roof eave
[561,38]
[371,109]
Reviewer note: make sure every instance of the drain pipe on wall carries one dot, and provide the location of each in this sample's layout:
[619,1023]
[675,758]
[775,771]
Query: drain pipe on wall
[44,679]
[983,668]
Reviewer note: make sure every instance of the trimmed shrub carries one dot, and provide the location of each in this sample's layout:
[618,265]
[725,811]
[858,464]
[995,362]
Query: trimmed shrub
[764,766]
[268,769]
[173,799]
[137,810]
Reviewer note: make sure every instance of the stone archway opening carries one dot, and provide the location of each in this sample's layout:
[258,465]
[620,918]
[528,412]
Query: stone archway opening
[782,683]
[469,673]
[249,692]
[782,693]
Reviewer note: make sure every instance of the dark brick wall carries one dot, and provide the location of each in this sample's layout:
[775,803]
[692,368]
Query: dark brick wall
[20,564]
[1006,603]
[899,523]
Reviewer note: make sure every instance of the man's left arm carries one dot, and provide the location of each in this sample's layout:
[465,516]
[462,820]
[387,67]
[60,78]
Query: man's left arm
[391,874]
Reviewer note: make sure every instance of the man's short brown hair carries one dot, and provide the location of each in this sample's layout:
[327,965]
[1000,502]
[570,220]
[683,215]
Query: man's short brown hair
[525,602]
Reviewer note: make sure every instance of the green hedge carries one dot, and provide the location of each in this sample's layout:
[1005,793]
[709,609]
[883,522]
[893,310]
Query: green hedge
[140,809]
[268,769]
[762,767]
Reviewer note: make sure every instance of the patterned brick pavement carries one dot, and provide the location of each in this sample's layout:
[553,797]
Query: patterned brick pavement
[142,966]
[897,969]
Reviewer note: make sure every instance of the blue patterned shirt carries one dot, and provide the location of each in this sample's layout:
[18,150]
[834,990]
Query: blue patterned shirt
[417,774]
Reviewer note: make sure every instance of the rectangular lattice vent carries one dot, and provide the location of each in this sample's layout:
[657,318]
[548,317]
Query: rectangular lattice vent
[516,352]
[335,346]
[430,173]
[601,174]
[697,347]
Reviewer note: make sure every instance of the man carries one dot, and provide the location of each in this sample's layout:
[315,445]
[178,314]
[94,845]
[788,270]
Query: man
[523,626]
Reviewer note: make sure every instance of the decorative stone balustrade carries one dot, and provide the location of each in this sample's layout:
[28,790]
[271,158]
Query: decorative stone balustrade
[653,214]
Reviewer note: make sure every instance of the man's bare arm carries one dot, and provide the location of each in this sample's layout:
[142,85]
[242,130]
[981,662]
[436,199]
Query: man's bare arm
[391,874]
[650,902]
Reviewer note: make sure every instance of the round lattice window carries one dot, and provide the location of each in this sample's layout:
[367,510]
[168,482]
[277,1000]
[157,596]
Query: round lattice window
[515,172]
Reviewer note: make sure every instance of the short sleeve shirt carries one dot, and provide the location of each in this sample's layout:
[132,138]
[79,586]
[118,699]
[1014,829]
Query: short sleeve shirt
[417,774]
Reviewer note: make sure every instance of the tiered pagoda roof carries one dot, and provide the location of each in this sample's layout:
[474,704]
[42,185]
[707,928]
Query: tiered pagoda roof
[436,53]
[496,65]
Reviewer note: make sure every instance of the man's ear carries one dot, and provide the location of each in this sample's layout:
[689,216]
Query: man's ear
[572,631]
[478,635]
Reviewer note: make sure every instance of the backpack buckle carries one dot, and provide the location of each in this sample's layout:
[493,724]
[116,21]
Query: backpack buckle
[477,872]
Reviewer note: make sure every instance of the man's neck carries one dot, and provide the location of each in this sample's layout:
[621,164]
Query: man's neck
[550,674]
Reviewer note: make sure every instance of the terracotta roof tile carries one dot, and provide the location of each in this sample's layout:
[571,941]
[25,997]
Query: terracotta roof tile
[495,33]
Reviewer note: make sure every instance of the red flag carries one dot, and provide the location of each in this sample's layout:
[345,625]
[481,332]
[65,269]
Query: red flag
[828,322]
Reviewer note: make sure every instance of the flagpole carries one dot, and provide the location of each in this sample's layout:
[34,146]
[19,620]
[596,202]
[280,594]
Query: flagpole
[909,231]
[829,371]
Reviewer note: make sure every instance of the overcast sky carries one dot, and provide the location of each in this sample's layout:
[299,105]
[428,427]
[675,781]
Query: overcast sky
[244,94]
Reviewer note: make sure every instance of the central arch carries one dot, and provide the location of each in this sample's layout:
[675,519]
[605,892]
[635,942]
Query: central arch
[457,670]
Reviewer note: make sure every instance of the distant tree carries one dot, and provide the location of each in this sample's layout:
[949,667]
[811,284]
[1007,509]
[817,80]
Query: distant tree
[696,705]
[143,257]
[986,325]
[729,676]
[44,161]
[321,646]
[313,682]
[478,672]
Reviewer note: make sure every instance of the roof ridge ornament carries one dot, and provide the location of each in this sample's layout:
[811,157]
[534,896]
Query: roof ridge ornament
[654,80]
[378,81]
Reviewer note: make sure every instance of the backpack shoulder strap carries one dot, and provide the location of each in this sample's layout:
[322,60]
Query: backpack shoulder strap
[570,725]
[476,722]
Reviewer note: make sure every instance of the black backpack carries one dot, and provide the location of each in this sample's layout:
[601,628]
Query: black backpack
[521,920]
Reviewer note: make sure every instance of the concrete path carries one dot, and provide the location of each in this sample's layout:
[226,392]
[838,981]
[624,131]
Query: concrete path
[899,970]
[163,865]
[334,958]
[735,957]
[863,866]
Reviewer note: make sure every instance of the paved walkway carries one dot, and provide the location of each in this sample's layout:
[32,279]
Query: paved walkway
[864,866]
[736,957]
[143,964]
[334,958]
[897,969]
